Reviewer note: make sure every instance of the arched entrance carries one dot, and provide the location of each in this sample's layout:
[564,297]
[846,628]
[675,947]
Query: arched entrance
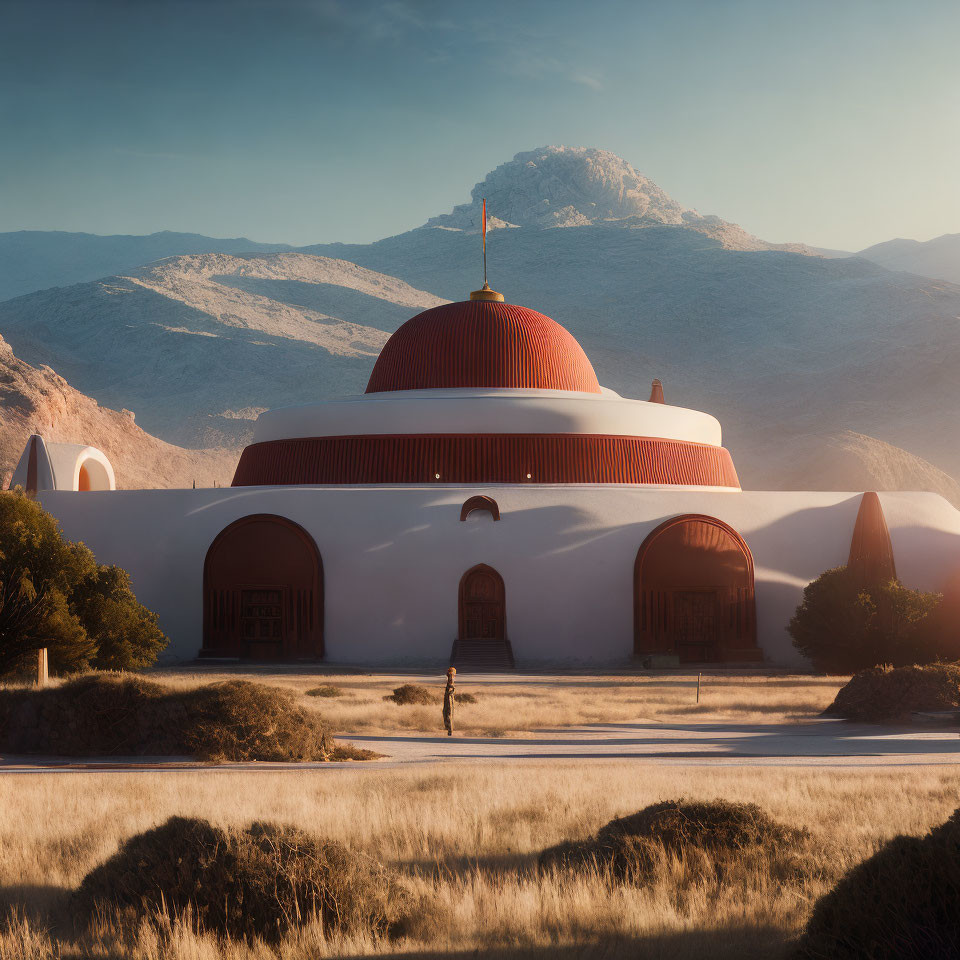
[263,592]
[483,613]
[694,594]
[93,475]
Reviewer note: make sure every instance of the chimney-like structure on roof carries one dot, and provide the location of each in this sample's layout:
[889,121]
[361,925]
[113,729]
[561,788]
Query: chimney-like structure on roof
[656,392]
[871,551]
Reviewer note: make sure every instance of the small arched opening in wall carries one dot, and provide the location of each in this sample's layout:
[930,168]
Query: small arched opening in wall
[694,593]
[93,475]
[263,592]
[482,605]
[482,503]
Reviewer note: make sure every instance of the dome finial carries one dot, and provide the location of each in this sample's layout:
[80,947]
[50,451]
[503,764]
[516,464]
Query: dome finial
[485,293]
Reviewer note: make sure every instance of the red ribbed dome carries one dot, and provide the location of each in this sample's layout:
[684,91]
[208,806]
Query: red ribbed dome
[482,343]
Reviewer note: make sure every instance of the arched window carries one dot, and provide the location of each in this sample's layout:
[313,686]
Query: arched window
[694,593]
[483,612]
[263,592]
[480,503]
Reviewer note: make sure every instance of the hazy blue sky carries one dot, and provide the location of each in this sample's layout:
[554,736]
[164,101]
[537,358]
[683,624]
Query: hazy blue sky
[836,123]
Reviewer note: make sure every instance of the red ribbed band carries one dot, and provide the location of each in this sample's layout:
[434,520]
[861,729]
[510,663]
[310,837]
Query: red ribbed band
[485,458]
[480,344]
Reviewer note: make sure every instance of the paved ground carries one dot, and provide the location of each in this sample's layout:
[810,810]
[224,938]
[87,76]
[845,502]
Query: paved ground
[833,743]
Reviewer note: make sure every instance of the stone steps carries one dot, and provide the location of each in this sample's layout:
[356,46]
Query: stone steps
[482,656]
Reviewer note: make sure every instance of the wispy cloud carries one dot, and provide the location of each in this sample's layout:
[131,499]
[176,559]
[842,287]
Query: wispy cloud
[588,80]
[395,20]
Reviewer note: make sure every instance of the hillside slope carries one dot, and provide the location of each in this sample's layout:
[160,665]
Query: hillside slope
[853,461]
[36,400]
[38,259]
[939,258]
[199,345]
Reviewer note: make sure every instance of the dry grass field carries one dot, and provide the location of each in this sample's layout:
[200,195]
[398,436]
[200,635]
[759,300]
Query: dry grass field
[466,837]
[515,706]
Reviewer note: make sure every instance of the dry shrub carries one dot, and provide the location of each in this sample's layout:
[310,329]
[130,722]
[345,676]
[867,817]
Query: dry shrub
[241,720]
[417,695]
[245,883]
[327,692]
[714,836]
[412,694]
[892,693]
[98,714]
[900,904]
[710,824]
[120,715]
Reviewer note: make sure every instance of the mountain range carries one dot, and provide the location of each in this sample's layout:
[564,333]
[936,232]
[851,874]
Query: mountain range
[552,186]
[198,345]
[938,258]
[819,368]
[37,400]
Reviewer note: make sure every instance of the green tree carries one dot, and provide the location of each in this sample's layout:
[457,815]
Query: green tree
[842,627]
[939,634]
[54,594]
[127,634]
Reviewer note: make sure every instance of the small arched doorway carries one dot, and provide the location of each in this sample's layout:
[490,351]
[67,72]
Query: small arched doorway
[93,475]
[483,612]
[694,592]
[263,592]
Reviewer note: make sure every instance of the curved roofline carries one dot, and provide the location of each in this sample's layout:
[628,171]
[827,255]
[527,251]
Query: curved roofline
[503,411]
[478,344]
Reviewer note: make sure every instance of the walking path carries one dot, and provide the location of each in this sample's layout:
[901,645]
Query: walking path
[818,743]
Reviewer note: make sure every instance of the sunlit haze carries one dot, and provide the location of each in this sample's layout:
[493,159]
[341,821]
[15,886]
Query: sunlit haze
[307,121]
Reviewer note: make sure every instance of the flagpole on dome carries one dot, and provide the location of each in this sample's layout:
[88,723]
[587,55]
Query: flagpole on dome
[485,241]
[485,293]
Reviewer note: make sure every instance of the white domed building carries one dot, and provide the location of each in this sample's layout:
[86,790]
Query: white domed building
[486,500]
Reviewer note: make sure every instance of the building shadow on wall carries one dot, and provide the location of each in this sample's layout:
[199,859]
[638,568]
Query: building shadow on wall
[810,536]
[567,521]
[805,529]
[821,537]
[919,545]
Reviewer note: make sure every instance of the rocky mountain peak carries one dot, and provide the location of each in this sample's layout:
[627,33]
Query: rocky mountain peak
[581,187]
[561,186]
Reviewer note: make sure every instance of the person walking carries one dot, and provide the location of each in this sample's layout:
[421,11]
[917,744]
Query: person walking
[448,701]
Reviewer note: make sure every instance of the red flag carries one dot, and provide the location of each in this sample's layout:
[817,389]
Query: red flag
[484,225]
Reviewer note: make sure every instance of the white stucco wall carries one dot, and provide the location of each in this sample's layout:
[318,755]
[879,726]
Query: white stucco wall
[488,411]
[393,557]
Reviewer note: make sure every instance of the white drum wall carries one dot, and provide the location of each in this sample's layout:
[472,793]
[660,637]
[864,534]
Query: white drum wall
[393,557]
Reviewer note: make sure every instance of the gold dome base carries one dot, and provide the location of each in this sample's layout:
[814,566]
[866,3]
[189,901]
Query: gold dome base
[486,294]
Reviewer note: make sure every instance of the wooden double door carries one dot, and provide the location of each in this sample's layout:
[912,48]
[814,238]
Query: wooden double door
[694,592]
[263,592]
[696,625]
[482,606]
